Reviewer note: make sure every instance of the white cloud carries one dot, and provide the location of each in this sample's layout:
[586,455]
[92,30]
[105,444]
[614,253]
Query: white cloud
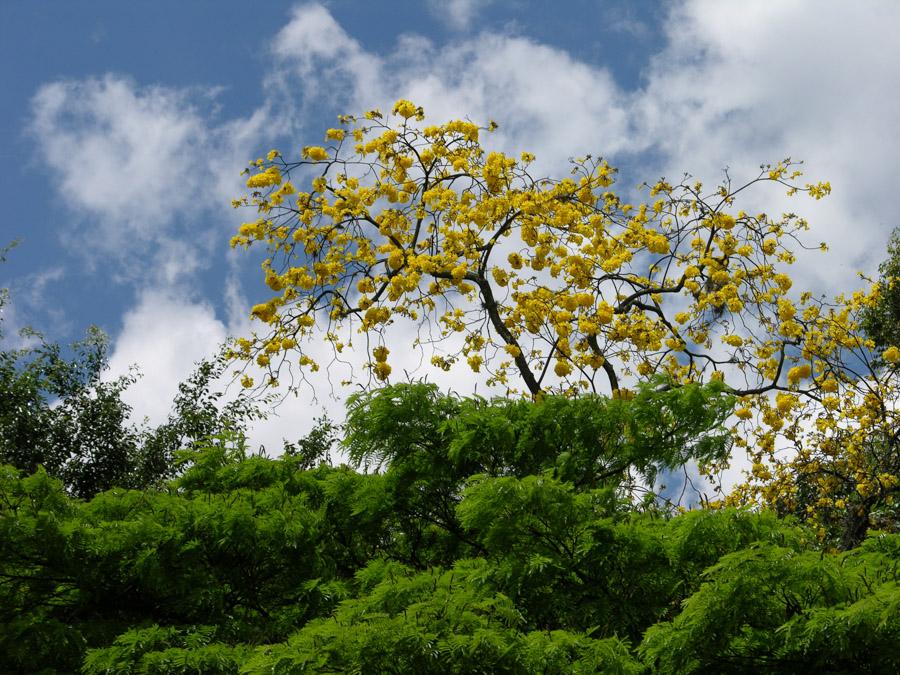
[164,336]
[312,35]
[318,58]
[457,14]
[140,165]
[119,152]
[546,101]
[744,83]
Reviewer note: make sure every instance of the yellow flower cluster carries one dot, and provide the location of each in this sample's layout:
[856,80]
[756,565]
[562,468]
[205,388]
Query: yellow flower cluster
[271,176]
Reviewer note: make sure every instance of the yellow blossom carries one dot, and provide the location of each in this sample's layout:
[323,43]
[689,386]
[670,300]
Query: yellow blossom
[798,373]
[785,402]
[315,153]
[562,368]
[405,109]
[271,176]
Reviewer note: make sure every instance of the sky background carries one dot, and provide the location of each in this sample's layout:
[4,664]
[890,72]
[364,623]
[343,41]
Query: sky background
[124,128]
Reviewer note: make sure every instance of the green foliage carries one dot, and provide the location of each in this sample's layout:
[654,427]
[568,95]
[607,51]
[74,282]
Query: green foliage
[590,440]
[439,621]
[155,650]
[881,322]
[433,443]
[568,562]
[254,561]
[788,610]
[57,411]
[495,537]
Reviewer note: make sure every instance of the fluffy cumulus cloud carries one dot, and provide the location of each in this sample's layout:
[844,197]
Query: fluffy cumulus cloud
[313,54]
[165,335]
[140,164]
[118,151]
[544,99]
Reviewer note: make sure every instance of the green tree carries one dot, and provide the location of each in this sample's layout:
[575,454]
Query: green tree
[881,321]
[58,411]
[774,609]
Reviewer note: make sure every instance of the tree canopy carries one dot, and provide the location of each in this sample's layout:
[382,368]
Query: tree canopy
[468,552]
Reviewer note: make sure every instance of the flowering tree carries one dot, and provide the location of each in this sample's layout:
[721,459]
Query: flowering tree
[406,221]
[838,414]
[561,286]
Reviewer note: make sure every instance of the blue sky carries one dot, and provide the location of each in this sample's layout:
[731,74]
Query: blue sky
[124,126]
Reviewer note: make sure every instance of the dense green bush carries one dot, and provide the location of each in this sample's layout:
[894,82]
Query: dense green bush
[497,536]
